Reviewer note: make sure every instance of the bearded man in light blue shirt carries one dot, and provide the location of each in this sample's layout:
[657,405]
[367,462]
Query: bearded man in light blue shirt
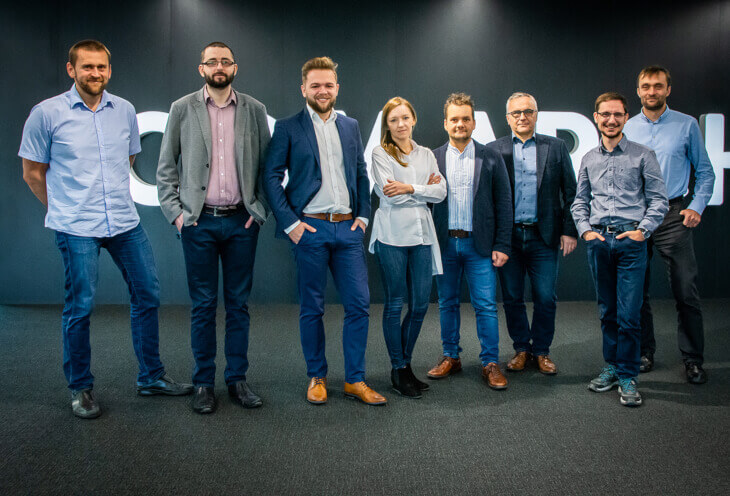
[678,144]
[77,149]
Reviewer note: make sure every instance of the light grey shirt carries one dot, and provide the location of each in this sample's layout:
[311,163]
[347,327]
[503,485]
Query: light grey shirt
[620,187]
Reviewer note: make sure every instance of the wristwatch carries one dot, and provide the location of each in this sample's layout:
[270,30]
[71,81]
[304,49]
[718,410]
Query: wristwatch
[644,232]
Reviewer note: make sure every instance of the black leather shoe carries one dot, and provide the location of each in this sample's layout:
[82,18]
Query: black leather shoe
[647,363]
[421,386]
[402,383]
[240,393]
[695,373]
[164,385]
[204,400]
[84,405]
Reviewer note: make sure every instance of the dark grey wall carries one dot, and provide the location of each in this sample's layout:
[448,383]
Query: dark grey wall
[564,54]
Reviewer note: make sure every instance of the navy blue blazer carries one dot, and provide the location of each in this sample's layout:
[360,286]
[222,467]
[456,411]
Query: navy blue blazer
[555,185]
[492,211]
[293,149]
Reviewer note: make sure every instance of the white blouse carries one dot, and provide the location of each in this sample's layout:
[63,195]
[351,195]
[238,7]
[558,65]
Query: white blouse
[405,220]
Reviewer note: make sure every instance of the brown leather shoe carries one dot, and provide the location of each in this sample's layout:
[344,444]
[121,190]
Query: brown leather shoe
[445,368]
[317,390]
[364,393]
[546,365]
[519,361]
[494,377]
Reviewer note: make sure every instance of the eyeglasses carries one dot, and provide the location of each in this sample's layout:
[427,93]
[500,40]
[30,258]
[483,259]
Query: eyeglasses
[607,115]
[516,114]
[214,63]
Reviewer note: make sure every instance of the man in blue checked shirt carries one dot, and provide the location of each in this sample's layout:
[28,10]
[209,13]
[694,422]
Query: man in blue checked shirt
[677,141]
[620,200]
[77,149]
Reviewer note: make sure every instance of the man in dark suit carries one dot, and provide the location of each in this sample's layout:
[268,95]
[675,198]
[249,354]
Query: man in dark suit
[208,180]
[473,227]
[543,188]
[324,210]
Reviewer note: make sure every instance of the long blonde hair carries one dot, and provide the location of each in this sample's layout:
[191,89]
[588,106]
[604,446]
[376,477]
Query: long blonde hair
[386,140]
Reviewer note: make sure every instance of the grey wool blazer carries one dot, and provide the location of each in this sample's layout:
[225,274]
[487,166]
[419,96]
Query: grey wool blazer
[184,167]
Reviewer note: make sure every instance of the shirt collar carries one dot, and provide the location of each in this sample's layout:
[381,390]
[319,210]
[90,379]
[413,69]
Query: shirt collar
[516,138]
[467,148]
[664,115]
[75,99]
[315,115]
[621,145]
[232,99]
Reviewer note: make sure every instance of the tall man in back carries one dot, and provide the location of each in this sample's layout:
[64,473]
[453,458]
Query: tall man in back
[473,227]
[324,211]
[543,189]
[677,141]
[77,149]
[209,188]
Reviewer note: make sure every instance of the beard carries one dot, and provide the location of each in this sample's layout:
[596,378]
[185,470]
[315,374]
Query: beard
[84,85]
[319,108]
[658,105]
[219,83]
[611,133]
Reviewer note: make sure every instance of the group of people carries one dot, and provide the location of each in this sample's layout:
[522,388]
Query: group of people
[502,210]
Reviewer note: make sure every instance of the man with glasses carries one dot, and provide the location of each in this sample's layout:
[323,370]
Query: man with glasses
[677,142]
[209,188]
[543,188]
[77,149]
[619,202]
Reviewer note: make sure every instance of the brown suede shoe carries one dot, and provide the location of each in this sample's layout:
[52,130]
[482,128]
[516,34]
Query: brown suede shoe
[494,377]
[546,365]
[364,393]
[445,368]
[519,361]
[317,390]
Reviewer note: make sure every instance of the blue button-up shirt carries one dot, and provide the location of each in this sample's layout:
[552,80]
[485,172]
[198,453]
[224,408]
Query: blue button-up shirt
[619,187]
[525,165]
[88,156]
[460,181]
[677,141]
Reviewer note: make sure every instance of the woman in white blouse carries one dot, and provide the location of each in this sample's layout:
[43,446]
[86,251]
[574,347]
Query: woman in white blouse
[403,236]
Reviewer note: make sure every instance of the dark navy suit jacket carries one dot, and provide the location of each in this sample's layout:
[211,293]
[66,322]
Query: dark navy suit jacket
[492,209]
[293,149]
[555,185]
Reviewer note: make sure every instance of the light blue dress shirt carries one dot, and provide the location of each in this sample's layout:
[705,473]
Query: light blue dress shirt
[88,155]
[460,181]
[677,141]
[525,165]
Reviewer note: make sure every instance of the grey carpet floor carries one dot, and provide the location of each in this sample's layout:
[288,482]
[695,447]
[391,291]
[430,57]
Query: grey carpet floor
[546,435]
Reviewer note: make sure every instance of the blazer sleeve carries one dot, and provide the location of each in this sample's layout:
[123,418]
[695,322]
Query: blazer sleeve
[363,182]
[277,162]
[168,175]
[503,215]
[568,184]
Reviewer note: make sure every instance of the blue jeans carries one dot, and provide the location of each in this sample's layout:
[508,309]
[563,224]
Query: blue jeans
[225,239]
[335,246]
[132,253]
[406,273]
[531,256]
[618,267]
[459,257]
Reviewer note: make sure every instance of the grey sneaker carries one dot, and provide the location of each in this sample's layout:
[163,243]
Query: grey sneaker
[628,394]
[84,405]
[605,381]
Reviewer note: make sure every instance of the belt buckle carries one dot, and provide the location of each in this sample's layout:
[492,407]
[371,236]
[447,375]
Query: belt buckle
[330,216]
[215,212]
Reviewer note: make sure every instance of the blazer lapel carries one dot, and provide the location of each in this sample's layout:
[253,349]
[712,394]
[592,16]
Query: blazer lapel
[507,151]
[542,148]
[440,154]
[346,157]
[305,120]
[241,130]
[477,167]
[204,121]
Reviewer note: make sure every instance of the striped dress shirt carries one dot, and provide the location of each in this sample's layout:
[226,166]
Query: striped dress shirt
[460,179]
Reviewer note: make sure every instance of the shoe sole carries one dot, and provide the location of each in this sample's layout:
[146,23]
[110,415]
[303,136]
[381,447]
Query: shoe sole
[515,370]
[317,402]
[603,389]
[356,397]
[406,396]
[548,373]
[204,411]
[157,392]
[497,388]
[437,377]
[244,405]
[88,416]
[630,403]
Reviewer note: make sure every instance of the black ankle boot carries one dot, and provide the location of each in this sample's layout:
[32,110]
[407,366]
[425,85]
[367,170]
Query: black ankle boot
[421,386]
[402,384]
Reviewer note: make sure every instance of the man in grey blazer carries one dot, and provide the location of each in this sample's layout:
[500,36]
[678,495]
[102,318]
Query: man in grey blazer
[209,188]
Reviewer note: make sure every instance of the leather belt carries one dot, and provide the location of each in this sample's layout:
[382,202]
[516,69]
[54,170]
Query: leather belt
[330,217]
[526,225]
[675,201]
[224,210]
[459,233]
[616,229]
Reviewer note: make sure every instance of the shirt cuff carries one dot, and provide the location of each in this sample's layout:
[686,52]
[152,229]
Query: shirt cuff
[364,220]
[697,206]
[583,227]
[419,189]
[291,228]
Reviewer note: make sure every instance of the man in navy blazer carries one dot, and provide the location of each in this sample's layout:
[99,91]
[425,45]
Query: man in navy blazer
[324,211]
[473,227]
[543,185]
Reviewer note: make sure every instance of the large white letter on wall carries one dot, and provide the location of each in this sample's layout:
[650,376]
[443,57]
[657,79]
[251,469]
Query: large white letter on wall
[143,192]
[579,126]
